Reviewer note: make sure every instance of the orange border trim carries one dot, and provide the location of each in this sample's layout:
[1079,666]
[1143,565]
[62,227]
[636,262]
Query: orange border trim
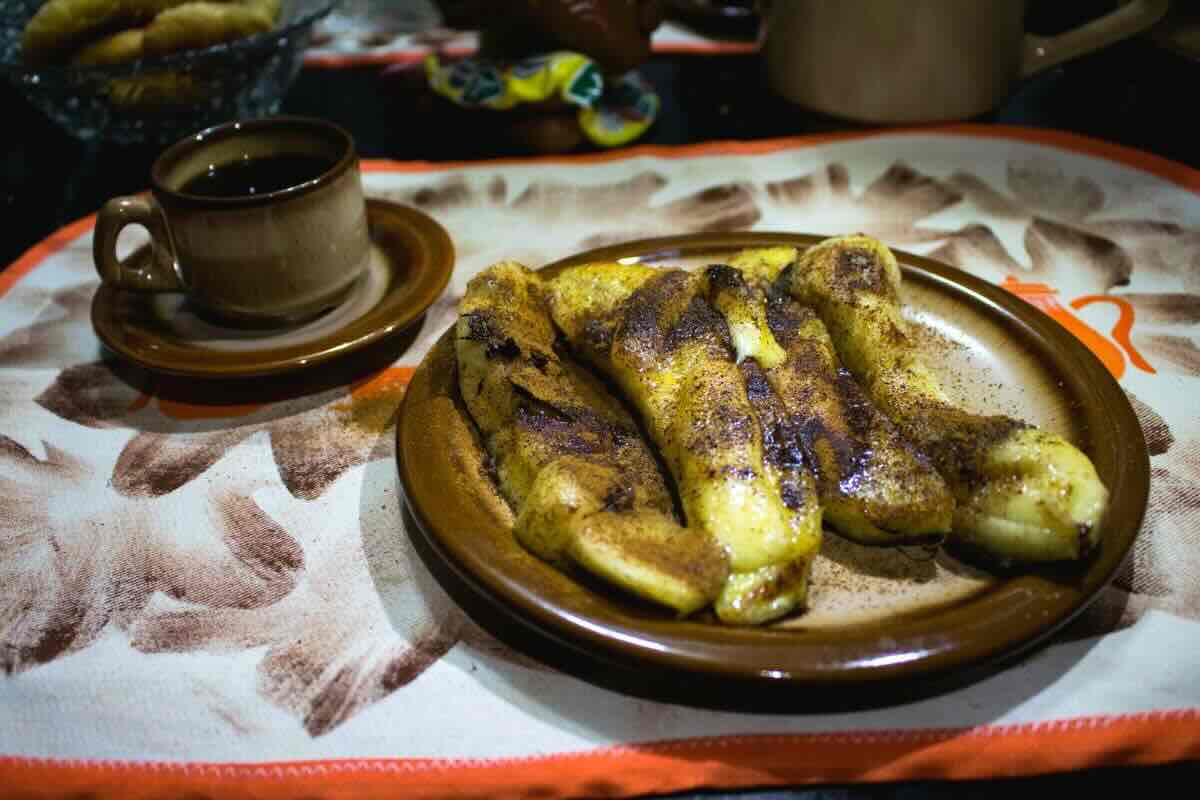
[34,256]
[339,60]
[416,55]
[721,762]
[1173,171]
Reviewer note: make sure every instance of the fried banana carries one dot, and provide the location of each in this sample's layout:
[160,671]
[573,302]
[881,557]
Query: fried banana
[199,24]
[62,26]
[100,32]
[873,486]
[569,459]
[656,336]
[119,48]
[1022,494]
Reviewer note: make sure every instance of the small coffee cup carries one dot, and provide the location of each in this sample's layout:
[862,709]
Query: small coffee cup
[259,223]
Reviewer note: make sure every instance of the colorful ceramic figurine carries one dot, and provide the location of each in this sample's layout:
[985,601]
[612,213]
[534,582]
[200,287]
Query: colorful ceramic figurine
[560,71]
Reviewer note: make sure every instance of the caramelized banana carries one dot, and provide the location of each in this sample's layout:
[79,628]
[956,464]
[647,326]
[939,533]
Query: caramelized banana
[568,457]
[111,31]
[61,26]
[655,334]
[199,24]
[1022,494]
[120,48]
[874,488]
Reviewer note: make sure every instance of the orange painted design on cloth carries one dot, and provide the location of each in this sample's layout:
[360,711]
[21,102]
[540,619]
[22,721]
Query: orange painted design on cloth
[373,402]
[1122,330]
[1044,298]
[193,411]
[177,410]
[387,381]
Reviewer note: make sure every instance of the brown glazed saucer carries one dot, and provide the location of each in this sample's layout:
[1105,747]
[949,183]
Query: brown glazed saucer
[877,616]
[411,261]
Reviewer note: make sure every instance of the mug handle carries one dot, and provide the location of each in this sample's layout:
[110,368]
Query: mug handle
[1132,17]
[159,272]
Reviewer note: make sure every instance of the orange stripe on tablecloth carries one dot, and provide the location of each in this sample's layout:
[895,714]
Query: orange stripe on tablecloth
[1179,174]
[383,383]
[1173,171]
[338,60]
[706,48]
[721,762]
[31,258]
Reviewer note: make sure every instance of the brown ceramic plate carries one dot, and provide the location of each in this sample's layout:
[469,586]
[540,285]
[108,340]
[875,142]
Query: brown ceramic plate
[411,261]
[875,614]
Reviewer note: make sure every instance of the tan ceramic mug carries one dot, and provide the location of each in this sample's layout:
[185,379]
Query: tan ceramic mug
[259,222]
[906,61]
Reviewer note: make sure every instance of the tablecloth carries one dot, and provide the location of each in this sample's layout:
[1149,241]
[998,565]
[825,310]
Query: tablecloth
[223,599]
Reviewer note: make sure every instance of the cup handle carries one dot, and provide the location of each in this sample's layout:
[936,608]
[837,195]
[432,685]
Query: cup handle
[1132,17]
[159,272]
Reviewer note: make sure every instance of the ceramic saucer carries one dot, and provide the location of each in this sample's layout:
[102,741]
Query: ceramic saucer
[411,261]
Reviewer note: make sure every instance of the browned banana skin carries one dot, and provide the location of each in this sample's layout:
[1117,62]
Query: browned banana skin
[1022,494]
[874,487]
[569,459]
[654,333]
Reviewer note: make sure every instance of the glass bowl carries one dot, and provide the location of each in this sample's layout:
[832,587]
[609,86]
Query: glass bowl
[165,98]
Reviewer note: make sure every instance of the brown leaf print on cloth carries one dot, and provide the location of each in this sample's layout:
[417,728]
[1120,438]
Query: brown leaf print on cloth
[330,648]
[1163,570]
[75,558]
[551,219]
[313,439]
[1167,308]
[231,561]
[1164,250]
[889,208]
[1176,354]
[1073,239]
[1057,250]
[1052,207]
[89,394]
[60,332]
[1071,231]
[18,411]
[976,249]
[1155,429]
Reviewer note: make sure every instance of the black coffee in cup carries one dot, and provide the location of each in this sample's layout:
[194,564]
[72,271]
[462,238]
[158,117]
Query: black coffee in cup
[255,176]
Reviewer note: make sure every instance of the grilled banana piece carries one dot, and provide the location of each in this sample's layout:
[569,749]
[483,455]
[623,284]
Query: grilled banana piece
[108,32]
[61,26]
[200,23]
[654,333]
[119,48]
[568,457]
[873,486]
[1022,494]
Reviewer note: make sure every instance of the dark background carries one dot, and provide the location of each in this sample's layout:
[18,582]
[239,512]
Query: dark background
[1135,93]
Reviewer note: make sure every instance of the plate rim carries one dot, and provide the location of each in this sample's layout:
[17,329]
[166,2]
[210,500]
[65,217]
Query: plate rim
[630,644]
[440,257]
